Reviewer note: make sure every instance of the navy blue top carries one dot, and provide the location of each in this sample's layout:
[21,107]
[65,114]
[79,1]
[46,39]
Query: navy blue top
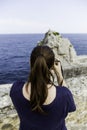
[57,110]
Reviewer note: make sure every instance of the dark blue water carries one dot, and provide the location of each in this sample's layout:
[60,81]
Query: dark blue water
[79,42]
[15,51]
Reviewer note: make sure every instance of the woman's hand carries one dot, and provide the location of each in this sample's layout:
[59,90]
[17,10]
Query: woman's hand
[57,68]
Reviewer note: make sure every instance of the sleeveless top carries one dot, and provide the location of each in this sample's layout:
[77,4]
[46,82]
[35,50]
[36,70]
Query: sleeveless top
[57,110]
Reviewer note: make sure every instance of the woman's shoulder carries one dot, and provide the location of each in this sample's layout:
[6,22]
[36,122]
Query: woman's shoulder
[16,86]
[64,90]
[67,95]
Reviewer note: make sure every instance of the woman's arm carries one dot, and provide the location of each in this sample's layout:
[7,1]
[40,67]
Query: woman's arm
[58,71]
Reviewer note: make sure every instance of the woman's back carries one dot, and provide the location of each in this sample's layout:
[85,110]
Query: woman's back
[56,106]
[40,104]
[51,93]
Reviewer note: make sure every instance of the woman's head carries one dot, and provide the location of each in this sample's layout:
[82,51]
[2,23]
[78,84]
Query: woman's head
[45,52]
[41,60]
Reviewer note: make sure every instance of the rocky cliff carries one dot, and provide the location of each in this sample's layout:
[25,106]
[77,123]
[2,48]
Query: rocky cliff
[73,65]
[75,73]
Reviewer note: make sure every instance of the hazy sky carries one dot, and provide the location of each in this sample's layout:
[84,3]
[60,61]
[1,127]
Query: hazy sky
[38,16]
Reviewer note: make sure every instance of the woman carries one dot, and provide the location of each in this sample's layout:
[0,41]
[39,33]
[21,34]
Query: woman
[39,103]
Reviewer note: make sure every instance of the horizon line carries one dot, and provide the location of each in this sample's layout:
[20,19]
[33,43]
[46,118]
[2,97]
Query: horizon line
[42,33]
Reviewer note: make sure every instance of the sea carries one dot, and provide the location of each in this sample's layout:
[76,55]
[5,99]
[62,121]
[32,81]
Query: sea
[15,52]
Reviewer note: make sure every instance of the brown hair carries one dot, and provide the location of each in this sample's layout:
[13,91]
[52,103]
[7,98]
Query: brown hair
[41,60]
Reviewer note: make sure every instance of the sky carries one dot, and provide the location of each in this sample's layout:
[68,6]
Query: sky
[38,16]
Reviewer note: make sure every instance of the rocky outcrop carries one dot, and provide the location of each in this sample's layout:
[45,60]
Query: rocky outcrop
[62,47]
[8,116]
[72,64]
[75,72]
[78,119]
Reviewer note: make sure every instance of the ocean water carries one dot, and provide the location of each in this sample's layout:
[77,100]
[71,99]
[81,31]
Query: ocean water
[79,42]
[15,52]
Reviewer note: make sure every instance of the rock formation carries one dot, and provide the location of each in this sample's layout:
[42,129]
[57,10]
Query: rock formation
[62,47]
[75,73]
[72,64]
[8,116]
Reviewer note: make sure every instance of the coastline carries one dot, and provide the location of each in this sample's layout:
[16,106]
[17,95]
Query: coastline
[75,73]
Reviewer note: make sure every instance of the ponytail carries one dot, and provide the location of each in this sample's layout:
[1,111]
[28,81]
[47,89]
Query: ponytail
[41,61]
[39,78]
